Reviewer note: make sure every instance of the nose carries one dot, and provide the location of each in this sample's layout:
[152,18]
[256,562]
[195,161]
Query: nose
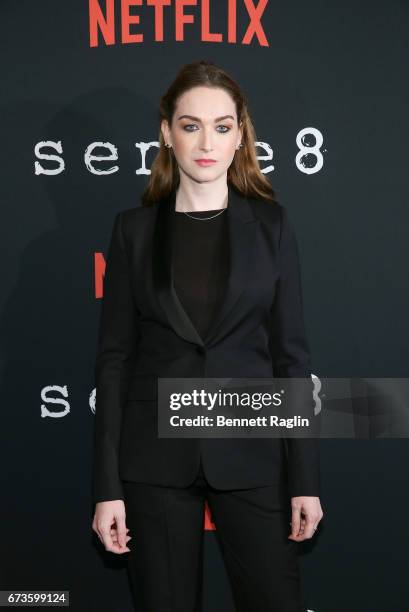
[206,141]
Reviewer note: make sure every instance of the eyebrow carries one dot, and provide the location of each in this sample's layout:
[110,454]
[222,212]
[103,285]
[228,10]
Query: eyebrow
[199,120]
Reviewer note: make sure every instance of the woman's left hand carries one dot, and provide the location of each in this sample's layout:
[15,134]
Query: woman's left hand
[306,514]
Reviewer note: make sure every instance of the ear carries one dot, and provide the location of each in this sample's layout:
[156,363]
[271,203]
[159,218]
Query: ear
[240,139]
[164,126]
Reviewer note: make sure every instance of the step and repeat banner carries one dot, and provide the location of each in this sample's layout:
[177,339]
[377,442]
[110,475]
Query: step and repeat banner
[328,90]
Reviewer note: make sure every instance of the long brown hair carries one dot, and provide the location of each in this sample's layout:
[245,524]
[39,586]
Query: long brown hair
[244,173]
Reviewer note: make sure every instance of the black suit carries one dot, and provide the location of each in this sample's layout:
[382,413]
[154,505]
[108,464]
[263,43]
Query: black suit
[145,333]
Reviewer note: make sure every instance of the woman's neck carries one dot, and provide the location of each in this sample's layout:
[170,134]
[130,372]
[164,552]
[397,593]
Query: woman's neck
[189,201]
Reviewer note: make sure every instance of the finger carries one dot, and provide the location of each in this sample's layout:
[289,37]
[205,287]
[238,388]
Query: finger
[96,529]
[302,523]
[118,550]
[115,539]
[299,537]
[309,527]
[121,529]
[113,530]
[295,521]
[106,537]
[99,534]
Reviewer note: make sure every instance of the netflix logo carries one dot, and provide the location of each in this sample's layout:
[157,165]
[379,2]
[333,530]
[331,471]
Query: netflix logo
[135,21]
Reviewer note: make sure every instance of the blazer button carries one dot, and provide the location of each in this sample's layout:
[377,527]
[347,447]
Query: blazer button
[200,349]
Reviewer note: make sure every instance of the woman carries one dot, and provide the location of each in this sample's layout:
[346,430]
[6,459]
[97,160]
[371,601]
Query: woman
[202,280]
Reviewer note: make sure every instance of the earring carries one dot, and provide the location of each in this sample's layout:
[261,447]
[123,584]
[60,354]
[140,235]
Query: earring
[239,146]
[168,145]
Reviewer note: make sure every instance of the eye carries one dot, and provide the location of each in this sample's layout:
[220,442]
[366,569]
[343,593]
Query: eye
[189,126]
[226,130]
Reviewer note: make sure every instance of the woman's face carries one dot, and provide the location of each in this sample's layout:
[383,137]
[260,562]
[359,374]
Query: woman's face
[204,126]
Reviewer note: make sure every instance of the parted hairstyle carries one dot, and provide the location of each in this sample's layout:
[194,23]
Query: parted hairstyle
[244,173]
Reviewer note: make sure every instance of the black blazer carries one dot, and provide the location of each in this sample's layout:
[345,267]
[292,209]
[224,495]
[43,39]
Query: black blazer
[145,333]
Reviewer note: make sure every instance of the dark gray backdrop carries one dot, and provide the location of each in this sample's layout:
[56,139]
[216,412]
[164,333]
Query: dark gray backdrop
[337,67]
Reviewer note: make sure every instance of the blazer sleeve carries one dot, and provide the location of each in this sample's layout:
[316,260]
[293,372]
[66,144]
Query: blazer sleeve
[117,339]
[291,358]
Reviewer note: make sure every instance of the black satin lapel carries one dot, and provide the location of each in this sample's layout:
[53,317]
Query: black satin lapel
[162,274]
[242,231]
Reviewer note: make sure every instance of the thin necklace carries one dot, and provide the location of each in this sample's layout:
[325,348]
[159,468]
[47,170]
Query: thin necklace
[204,218]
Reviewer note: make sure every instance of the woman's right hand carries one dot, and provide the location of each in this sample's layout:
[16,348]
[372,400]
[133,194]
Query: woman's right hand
[109,525]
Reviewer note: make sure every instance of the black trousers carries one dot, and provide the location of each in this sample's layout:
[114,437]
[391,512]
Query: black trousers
[252,525]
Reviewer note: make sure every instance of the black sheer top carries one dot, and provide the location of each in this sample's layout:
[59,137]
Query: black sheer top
[201,263]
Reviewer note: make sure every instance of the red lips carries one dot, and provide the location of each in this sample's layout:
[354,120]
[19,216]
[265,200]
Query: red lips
[205,162]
